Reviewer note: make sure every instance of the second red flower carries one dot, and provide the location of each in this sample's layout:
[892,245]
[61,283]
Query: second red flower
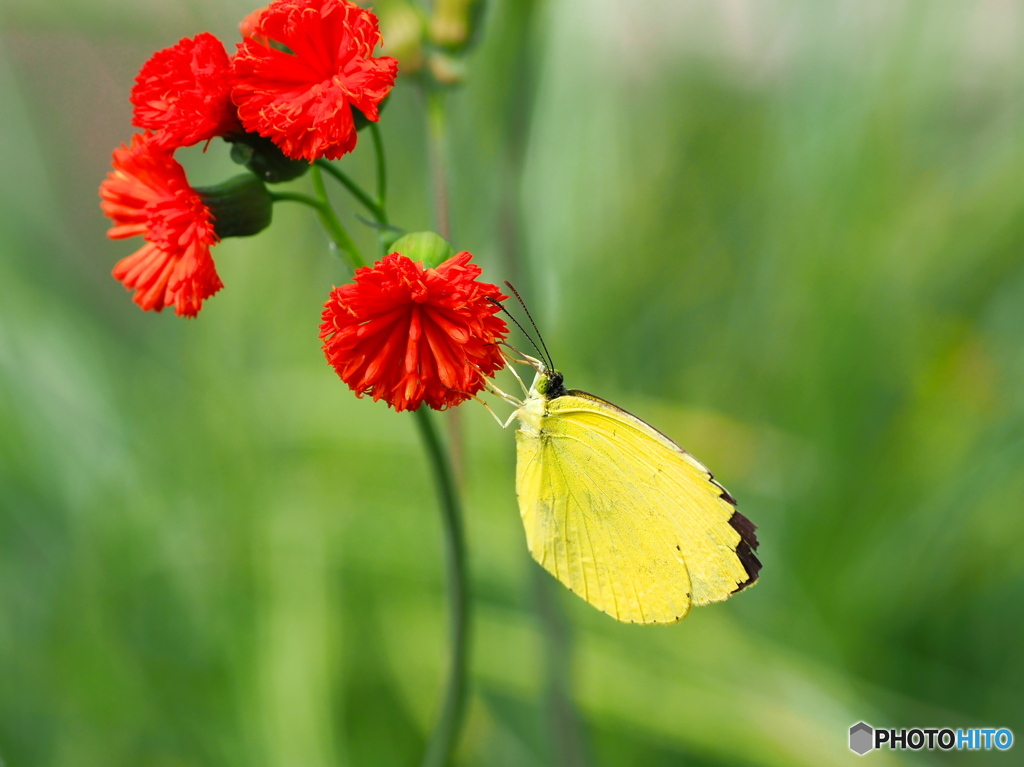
[409,335]
[306,65]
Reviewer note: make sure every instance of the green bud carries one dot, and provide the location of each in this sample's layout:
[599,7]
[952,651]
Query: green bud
[240,206]
[432,249]
[454,23]
[262,157]
[403,28]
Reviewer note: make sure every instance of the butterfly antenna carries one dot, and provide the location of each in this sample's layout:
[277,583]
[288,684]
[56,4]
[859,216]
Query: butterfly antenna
[522,303]
[518,325]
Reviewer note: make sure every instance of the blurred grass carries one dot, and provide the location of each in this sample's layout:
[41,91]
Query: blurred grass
[788,234]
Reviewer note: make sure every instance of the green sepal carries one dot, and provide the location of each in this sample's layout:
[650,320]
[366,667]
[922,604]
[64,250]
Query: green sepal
[362,120]
[240,206]
[430,248]
[260,155]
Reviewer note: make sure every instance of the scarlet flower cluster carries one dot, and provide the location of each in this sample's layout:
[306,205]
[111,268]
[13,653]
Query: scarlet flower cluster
[290,94]
[295,79]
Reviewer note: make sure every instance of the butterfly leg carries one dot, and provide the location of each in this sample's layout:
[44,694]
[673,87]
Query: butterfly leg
[512,370]
[496,417]
[498,392]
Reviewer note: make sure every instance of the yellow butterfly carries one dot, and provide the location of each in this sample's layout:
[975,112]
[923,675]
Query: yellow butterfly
[620,513]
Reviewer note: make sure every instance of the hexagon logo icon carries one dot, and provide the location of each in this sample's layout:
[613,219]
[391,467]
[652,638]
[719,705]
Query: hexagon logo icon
[861,738]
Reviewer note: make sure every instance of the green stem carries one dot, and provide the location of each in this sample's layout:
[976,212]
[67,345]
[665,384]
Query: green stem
[332,223]
[445,736]
[368,202]
[383,239]
[305,199]
[382,172]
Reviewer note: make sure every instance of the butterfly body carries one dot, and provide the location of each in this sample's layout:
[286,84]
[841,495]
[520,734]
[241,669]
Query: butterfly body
[622,515]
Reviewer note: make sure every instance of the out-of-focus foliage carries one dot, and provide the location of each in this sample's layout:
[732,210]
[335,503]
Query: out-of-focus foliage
[790,234]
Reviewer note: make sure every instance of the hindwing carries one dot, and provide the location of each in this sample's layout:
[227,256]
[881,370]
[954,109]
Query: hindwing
[625,517]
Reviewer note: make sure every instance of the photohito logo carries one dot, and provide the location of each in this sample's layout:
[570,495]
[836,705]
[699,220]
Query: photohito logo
[864,738]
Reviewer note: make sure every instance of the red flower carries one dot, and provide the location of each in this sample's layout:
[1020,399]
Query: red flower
[410,335]
[301,97]
[184,93]
[147,194]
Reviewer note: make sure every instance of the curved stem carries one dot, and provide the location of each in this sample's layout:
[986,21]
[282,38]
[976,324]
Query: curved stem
[305,199]
[382,186]
[368,202]
[445,735]
[332,223]
[382,173]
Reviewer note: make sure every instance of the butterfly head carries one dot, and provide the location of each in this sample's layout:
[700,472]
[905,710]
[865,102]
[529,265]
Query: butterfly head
[550,384]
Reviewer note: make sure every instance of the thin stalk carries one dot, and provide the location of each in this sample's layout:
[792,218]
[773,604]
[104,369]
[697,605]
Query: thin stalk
[331,222]
[376,210]
[305,199]
[383,239]
[382,169]
[445,735]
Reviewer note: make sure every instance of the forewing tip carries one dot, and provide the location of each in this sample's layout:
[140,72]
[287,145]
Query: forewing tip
[746,548]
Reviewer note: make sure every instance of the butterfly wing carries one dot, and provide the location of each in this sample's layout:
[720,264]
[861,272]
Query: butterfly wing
[625,517]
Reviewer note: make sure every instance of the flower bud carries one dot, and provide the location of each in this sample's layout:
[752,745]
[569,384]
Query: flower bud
[403,29]
[430,248]
[240,206]
[454,23]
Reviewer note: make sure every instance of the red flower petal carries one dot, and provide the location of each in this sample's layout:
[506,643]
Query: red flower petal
[301,97]
[147,194]
[410,335]
[184,93]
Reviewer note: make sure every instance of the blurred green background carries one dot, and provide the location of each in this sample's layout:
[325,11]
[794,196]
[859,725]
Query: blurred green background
[790,234]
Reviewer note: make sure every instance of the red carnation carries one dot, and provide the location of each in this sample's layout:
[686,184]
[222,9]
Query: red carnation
[147,194]
[184,93]
[410,335]
[300,92]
